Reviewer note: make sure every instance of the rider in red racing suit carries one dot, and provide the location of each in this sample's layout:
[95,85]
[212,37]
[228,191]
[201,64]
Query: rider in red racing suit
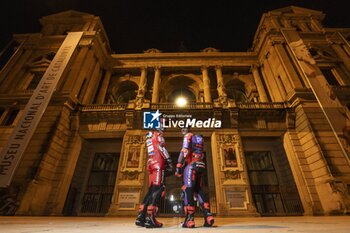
[158,157]
[192,157]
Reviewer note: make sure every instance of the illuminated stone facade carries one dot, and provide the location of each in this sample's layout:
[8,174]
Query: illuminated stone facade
[281,105]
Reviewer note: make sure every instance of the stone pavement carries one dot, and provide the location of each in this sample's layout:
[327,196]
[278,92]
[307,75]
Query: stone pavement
[329,224]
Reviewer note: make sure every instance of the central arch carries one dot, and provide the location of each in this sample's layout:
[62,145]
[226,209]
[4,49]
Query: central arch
[188,86]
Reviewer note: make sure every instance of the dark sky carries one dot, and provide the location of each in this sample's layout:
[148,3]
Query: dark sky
[134,26]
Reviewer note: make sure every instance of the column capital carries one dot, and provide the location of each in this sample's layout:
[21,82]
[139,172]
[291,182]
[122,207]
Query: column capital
[158,67]
[218,67]
[254,66]
[143,68]
[204,67]
[277,42]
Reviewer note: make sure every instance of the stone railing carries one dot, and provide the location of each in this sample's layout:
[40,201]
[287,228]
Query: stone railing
[188,106]
[268,105]
[172,106]
[102,107]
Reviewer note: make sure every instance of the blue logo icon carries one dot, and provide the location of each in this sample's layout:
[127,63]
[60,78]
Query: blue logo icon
[151,120]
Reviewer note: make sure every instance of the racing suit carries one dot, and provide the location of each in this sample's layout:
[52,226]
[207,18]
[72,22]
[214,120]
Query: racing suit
[158,157]
[191,156]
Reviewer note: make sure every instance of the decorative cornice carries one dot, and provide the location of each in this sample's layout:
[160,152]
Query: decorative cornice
[152,50]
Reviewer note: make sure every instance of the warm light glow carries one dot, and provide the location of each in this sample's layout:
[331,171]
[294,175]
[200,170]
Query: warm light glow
[181,101]
[172,198]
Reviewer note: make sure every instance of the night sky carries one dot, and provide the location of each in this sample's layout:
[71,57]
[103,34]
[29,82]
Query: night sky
[169,25]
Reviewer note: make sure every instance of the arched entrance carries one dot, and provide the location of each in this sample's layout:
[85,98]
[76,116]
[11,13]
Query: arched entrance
[187,86]
[172,204]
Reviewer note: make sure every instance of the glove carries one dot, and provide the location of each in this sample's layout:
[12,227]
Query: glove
[178,172]
[169,169]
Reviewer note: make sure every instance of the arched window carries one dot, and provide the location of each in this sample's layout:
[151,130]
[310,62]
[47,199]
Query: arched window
[236,91]
[237,95]
[184,92]
[125,92]
[177,86]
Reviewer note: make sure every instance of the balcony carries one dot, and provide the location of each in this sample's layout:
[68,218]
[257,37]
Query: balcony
[172,106]
[103,107]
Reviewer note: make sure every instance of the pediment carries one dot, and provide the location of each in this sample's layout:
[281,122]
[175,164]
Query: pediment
[297,10]
[66,14]
[42,63]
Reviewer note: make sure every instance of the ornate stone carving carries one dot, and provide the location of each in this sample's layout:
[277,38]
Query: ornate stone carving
[232,174]
[130,175]
[152,50]
[234,118]
[129,119]
[135,139]
[322,53]
[290,118]
[227,139]
[210,50]
[303,55]
[340,191]
[139,101]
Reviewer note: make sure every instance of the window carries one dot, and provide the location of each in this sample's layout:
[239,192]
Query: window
[35,81]
[10,117]
[82,89]
[7,53]
[328,74]
[237,95]
[282,85]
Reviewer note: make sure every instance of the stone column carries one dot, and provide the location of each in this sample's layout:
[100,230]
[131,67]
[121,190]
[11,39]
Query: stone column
[142,88]
[259,84]
[206,84]
[156,82]
[142,83]
[220,80]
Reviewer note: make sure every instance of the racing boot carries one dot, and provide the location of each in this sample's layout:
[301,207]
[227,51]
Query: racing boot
[151,221]
[141,217]
[189,220]
[208,217]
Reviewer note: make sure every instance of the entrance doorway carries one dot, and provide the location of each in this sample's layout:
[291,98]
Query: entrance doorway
[93,182]
[100,186]
[272,183]
[172,203]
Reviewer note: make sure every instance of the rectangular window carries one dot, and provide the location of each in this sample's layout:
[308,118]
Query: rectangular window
[82,89]
[10,117]
[35,81]
[282,85]
[102,77]
[330,77]
[8,52]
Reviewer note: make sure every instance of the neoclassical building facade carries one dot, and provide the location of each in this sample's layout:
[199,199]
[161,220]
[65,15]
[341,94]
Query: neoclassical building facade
[282,149]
